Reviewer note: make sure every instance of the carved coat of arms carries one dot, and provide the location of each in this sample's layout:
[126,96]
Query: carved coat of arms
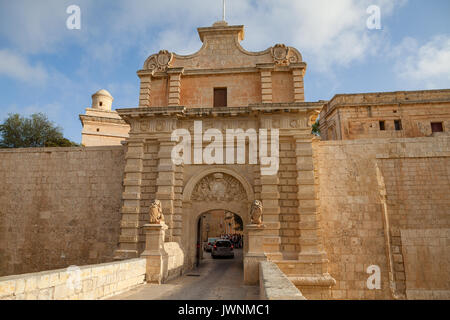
[219,187]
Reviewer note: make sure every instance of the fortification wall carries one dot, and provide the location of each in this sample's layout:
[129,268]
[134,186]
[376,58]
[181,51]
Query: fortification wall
[59,207]
[386,202]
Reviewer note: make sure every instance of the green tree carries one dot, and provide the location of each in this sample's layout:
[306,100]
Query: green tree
[34,131]
[315,128]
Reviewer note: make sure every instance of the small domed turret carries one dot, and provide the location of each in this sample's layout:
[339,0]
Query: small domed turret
[102,99]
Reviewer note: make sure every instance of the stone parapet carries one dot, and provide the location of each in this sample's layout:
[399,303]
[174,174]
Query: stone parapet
[274,285]
[89,282]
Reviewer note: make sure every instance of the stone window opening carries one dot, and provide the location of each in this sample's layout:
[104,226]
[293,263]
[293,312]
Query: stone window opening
[437,127]
[398,125]
[382,126]
[220,97]
[98,129]
[100,103]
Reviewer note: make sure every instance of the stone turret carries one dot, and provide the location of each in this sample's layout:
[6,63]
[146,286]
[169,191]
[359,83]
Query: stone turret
[102,100]
[102,126]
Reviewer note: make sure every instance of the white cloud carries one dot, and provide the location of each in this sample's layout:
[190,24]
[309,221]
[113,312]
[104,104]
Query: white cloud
[328,32]
[16,66]
[425,65]
[33,26]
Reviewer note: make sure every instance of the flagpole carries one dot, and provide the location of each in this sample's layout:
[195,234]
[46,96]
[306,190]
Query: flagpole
[223,14]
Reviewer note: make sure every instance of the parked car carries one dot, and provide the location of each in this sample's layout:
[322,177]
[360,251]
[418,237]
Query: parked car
[222,248]
[209,245]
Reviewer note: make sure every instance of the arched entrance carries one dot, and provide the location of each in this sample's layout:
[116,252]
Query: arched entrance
[217,224]
[209,190]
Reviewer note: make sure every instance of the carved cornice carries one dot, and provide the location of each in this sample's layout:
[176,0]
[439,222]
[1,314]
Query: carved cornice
[180,111]
[86,118]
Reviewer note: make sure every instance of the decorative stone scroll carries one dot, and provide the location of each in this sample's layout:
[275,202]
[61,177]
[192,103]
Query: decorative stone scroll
[256,213]
[283,55]
[156,215]
[219,187]
[159,62]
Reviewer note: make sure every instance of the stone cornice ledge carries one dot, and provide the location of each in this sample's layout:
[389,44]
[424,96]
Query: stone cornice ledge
[180,111]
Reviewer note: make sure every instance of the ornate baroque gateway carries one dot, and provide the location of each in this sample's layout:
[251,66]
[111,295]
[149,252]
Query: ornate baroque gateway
[225,87]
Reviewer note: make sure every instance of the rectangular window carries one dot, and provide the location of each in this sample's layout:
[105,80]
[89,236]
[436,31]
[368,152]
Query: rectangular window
[382,127]
[220,97]
[398,125]
[437,127]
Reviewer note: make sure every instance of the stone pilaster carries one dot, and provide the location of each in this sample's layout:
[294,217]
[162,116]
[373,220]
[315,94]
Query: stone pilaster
[165,183]
[174,86]
[266,82]
[299,91]
[310,273]
[129,226]
[145,91]
[270,198]
[310,241]
[178,205]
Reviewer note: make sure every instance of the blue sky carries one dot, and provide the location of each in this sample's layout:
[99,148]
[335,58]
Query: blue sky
[45,67]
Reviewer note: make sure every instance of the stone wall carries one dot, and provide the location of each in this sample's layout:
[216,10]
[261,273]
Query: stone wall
[363,115]
[175,259]
[86,283]
[386,202]
[59,207]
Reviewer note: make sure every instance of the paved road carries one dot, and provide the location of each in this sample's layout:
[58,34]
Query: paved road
[216,279]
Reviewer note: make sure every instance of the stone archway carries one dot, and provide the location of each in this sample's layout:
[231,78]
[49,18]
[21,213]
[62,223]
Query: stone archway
[217,225]
[213,189]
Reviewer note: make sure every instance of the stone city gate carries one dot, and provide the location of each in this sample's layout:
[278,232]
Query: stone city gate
[290,235]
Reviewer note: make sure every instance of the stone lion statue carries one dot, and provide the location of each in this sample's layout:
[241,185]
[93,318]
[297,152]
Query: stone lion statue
[156,216]
[256,212]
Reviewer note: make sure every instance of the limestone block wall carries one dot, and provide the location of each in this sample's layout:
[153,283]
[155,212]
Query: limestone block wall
[288,190]
[175,259]
[242,89]
[86,283]
[59,207]
[358,116]
[386,202]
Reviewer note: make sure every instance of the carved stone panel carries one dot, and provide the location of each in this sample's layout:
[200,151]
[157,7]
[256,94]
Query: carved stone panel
[283,55]
[219,187]
[160,61]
